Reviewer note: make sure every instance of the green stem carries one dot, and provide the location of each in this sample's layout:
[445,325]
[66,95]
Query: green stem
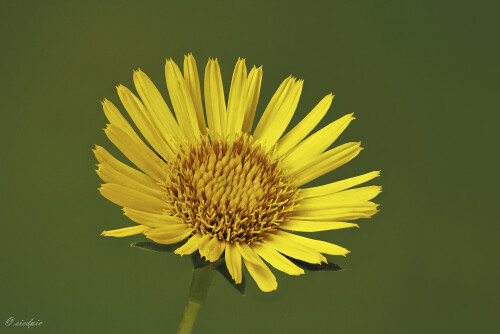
[202,277]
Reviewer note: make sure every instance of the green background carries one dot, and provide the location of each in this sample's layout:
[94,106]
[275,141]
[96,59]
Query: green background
[422,80]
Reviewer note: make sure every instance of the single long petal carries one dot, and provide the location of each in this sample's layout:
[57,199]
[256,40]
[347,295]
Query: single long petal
[193,83]
[317,245]
[339,216]
[328,208]
[233,262]
[168,231]
[215,103]
[151,219]
[337,186]
[131,198]
[326,162]
[172,240]
[253,83]
[354,197]
[190,246]
[169,234]
[313,226]
[237,101]
[203,245]
[215,247]
[125,232]
[277,260]
[301,130]
[264,278]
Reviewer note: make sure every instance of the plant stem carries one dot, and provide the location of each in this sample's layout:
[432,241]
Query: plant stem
[202,277]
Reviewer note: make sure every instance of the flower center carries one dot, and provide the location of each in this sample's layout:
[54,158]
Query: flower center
[229,189]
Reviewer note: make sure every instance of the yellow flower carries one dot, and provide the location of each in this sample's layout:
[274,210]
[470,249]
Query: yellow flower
[226,189]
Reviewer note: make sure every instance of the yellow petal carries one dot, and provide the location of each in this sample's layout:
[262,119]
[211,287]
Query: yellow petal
[337,186]
[354,197]
[139,115]
[275,102]
[298,251]
[109,175]
[127,134]
[131,198]
[172,240]
[137,152]
[262,275]
[248,253]
[215,103]
[125,232]
[327,203]
[329,208]
[317,143]
[116,118]
[169,231]
[313,226]
[254,81]
[317,245]
[203,245]
[233,262]
[112,170]
[190,246]
[301,130]
[277,260]
[214,249]
[193,84]
[339,216]
[326,162]
[157,107]
[357,194]
[151,219]
[237,102]
[279,113]
[169,234]
[181,101]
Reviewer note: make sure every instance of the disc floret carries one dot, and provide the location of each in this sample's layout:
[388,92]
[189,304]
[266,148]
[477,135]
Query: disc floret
[231,189]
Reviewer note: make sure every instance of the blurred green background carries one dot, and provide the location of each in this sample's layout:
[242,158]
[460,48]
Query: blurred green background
[422,80]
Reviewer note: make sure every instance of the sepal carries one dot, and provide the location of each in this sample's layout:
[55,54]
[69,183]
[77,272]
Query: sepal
[219,266]
[315,267]
[222,269]
[156,247]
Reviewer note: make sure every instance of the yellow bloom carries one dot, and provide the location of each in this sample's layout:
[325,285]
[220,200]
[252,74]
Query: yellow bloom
[225,189]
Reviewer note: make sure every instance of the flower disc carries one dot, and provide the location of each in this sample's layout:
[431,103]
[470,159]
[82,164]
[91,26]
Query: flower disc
[231,189]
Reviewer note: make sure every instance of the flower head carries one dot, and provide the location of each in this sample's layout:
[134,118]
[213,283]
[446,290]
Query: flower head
[224,189]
